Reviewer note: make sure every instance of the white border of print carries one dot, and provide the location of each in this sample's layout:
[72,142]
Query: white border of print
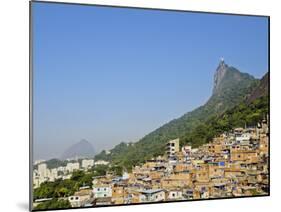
[14,107]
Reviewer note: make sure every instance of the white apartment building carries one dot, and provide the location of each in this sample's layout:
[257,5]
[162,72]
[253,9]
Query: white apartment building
[172,147]
[102,191]
[87,163]
[70,167]
[43,170]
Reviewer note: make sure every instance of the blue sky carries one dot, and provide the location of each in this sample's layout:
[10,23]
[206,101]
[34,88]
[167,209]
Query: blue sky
[115,74]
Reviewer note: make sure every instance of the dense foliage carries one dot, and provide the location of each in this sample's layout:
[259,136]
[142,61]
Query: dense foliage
[67,187]
[59,188]
[239,116]
[53,204]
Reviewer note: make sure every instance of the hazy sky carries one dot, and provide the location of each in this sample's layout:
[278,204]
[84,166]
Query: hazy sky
[113,74]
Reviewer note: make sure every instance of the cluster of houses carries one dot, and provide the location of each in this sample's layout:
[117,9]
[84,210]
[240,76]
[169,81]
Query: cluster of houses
[234,164]
[43,174]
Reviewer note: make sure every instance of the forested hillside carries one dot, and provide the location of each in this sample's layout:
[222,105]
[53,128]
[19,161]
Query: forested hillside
[227,107]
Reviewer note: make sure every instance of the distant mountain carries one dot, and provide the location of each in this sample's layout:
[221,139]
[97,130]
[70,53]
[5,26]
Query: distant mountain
[230,88]
[82,149]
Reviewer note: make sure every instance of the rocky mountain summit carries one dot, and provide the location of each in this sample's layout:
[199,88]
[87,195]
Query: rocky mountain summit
[219,75]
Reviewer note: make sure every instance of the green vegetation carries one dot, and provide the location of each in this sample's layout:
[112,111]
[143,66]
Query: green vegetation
[239,116]
[54,203]
[117,170]
[99,170]
[255,192]
[59,188]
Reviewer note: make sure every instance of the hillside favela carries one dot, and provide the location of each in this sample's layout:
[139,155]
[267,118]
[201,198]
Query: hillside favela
[218,150]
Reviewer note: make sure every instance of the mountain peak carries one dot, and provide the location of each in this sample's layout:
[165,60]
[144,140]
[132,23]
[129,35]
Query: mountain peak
[81,149]
[219,74]
[83,141]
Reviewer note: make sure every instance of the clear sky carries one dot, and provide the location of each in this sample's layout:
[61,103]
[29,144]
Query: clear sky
[114,74]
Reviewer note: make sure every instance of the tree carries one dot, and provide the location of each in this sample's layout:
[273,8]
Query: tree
[53,204]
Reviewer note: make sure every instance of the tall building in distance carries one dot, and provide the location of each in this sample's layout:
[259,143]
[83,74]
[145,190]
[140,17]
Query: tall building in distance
[172,147]
[42,169]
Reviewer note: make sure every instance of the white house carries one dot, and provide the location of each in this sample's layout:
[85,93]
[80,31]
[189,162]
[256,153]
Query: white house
[152,195]
[102,191]
[72,166]
[87,163]
[175,195]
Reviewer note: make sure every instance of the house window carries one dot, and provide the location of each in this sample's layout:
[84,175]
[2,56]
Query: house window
[76,198]
[104,195]
[173,195]
[104,189]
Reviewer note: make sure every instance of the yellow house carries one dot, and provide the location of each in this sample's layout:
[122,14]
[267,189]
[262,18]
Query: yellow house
[244,155]
[118,194]
[216,171]
[263,146]
[176,181]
